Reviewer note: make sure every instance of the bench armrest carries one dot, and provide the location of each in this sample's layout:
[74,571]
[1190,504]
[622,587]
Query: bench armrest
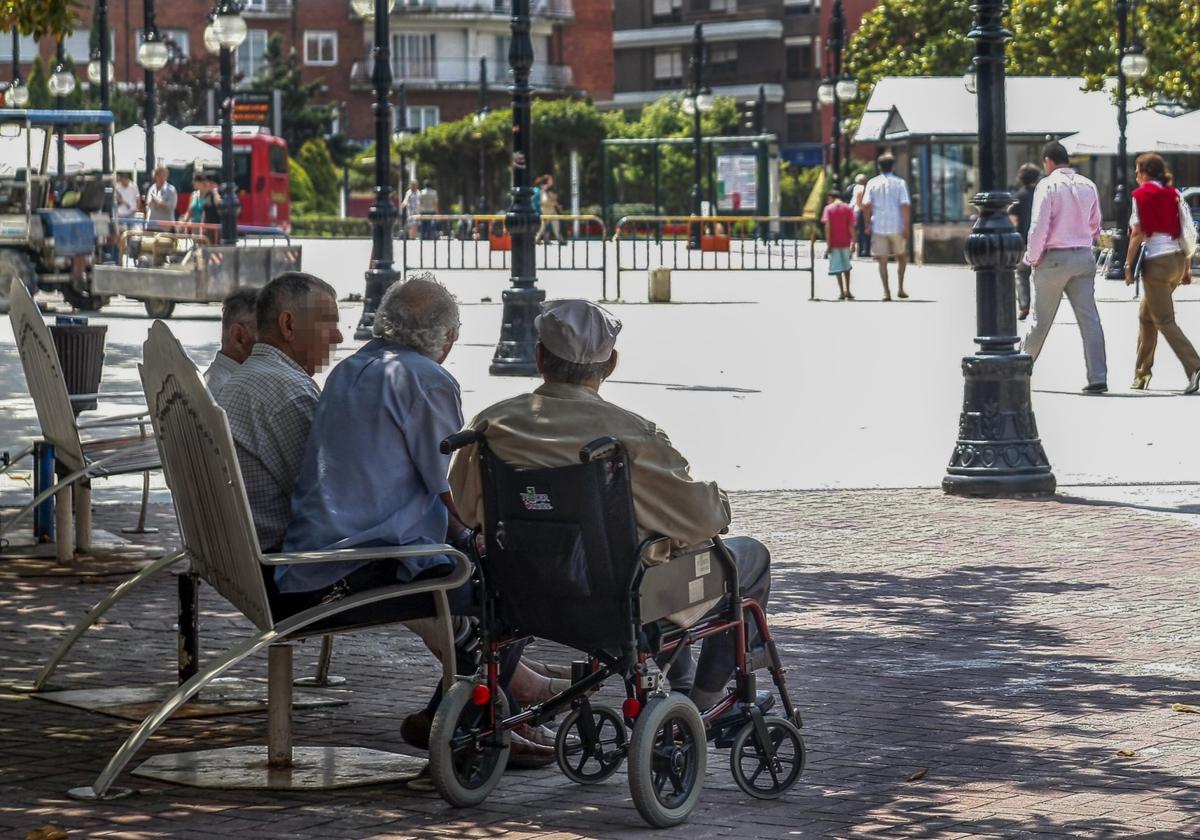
[108,395]
[383,552]
[139,419]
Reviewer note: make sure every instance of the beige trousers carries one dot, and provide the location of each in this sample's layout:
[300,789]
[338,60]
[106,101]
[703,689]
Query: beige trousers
[1160,277]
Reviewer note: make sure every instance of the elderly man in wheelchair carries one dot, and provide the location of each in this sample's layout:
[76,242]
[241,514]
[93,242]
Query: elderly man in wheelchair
[596,537]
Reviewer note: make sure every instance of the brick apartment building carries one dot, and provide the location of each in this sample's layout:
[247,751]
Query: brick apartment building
[776,44]
[436,46]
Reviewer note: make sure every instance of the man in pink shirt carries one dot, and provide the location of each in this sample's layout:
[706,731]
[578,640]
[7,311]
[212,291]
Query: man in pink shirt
[1064,224]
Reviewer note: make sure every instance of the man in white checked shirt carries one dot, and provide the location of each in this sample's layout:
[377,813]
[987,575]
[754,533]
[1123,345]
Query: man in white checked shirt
[886,209]
[271,398]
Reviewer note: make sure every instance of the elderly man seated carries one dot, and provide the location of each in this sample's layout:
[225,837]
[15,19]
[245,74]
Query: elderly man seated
[238,334]
[547,428]
[373,475]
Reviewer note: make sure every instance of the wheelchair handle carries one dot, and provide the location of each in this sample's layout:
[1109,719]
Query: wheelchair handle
[464,438]
[604,447]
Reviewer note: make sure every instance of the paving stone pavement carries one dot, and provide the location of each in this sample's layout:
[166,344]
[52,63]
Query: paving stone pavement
[965,669]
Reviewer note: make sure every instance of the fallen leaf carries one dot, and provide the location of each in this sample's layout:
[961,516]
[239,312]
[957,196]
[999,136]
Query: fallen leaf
[919,774]
[47,832]
[1181,707]
[1126,753]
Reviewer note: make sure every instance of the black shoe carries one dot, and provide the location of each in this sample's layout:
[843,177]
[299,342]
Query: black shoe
[1096,388]
[725,728]
[414,729]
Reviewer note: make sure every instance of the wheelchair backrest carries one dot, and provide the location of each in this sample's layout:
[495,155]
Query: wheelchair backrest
[562,550]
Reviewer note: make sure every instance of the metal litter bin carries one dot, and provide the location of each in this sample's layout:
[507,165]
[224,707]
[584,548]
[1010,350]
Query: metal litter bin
[81,354]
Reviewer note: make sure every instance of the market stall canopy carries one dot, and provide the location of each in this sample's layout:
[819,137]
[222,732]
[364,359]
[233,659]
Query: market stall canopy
[1147,131]
[172,147]
[13,153]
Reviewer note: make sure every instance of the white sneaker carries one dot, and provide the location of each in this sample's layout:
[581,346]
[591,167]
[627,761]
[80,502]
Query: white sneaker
[1193,383]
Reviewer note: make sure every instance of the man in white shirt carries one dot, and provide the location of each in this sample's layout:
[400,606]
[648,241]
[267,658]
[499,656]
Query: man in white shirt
[127,196]
[888,219]
[161,198]
[238,334]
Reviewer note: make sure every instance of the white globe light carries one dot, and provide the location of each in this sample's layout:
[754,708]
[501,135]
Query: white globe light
[230,30]
[1134,65]
[689,105]
[210,40]
[825,93]
[153,55]
[969,79]
[18,95]
[704,102]
[93,71]
[62,83]
[847,89]
[366,8]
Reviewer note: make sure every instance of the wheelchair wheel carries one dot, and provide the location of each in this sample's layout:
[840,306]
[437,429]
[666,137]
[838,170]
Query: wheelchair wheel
[463,767]
[591,744]
[668,754]
[767,771]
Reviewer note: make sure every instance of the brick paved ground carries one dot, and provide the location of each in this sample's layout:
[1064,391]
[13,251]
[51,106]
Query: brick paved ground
[1010,649]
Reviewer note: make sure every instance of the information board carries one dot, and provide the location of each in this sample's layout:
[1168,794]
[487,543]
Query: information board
[737,182]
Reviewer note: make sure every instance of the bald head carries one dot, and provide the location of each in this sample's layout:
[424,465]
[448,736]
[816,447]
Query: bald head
[421,314]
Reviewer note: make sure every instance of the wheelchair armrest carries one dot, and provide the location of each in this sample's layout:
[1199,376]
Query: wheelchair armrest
[604,447]
[466,437]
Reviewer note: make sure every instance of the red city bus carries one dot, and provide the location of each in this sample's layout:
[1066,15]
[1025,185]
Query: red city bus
[260,170]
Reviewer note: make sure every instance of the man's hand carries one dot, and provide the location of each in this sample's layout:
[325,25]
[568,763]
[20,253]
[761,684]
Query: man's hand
[1129,277]
[1187,278]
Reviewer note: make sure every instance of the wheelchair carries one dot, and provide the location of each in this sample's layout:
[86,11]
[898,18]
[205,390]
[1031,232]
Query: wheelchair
[563,563]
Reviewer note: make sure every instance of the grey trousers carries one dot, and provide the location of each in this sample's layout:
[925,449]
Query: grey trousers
[705,681]
[1023,293]
[1071,271]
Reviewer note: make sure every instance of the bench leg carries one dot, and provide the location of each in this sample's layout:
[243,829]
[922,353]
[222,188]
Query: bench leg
[322,679]
[188,642]
[141,528]
[64,532]
[83,517]
[279,706]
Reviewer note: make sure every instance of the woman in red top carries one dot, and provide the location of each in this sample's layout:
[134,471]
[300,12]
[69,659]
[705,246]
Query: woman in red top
[1155,223]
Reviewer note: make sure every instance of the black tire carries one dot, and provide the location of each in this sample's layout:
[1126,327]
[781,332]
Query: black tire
[15,267]
[464,770]
[767,773]
[159,307]
[83,301]
[590,761]
[668,754]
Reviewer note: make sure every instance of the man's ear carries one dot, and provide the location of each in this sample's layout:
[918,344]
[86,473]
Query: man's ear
[612,364]
[286,324]
[538,350]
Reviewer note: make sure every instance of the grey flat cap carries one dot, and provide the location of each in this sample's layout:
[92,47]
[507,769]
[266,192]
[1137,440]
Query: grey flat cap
[578,331]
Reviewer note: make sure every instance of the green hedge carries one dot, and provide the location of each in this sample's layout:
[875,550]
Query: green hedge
[330,227]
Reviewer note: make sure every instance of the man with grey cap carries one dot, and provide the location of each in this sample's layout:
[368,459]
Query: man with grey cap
[575,354]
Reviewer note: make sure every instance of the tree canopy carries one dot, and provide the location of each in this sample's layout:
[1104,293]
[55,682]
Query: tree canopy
[1050,38]
[39,17]
[302,120]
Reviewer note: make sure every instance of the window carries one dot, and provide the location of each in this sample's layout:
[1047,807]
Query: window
[421,117]
[252,55]
[722,5]
[801,7]
[801,128]
[800,57]
[320,48]
[175,39]
[254,5]
[75,46]
[943,182]
[723,60]
[27,47]
[668,69]
[414,56]
[501,61]
[279,159]
[667,11]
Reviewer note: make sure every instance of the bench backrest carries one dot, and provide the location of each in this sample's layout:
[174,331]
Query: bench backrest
[201,469]
[44,376]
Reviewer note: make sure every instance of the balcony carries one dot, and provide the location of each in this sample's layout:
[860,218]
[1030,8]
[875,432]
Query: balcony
[553,9]
[268,8]
[460,73]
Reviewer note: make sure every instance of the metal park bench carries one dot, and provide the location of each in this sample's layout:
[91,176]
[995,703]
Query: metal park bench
[201,469]
[77,460]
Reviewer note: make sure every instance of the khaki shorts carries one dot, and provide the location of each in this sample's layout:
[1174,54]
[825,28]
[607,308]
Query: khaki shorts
[888,245]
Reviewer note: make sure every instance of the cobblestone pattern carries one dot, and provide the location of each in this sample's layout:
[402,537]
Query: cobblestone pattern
[1010,650]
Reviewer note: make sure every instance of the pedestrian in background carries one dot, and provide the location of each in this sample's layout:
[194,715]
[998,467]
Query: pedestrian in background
[1157,227]
[127,196]
[888,221]
[1027,178]
[429,206]
[860,219]
[411,206]
[838,219]
[1064,224]
[161,198]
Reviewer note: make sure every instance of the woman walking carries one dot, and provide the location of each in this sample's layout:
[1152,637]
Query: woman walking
[1156,223]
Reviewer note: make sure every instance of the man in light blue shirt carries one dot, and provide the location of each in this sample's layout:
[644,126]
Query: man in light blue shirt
[373,473]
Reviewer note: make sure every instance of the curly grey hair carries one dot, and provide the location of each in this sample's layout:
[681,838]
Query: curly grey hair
[418,313]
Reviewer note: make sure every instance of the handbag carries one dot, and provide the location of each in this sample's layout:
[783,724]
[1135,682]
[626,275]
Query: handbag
[1187,227]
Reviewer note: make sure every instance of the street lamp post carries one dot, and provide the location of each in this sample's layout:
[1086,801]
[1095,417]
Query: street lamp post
[100,71]
[62,85]
[18,91]
[515,351]
[1131,65]
[153,55]
[697,101]
[381,272]
[837,88]
[227,31]
[998,452]
[480,116]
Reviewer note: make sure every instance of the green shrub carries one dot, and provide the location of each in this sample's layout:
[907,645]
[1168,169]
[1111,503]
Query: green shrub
[302,188]
[318,163]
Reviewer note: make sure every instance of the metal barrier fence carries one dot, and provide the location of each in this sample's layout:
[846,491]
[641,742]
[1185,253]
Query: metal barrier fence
[466,242]
[727,243]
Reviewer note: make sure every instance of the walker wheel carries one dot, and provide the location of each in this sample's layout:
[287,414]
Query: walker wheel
[668,754]
[767,771]
[464,765]
[591,744]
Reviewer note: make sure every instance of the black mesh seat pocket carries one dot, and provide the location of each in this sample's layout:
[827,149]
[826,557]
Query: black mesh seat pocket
[552,560]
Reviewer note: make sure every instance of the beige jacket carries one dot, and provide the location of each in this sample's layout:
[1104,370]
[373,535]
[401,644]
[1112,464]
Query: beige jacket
[548,428]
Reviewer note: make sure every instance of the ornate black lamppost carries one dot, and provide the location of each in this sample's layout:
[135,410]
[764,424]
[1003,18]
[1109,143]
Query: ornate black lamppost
[18,91]
[998,451]
[697,101]
[61,85]
[1131,65]
[522,303]
[153,55]
[480,116]
[226,32]
[381,272]
[100,71]
[836,89]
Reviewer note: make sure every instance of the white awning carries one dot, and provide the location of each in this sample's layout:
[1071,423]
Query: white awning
[1146,131]
[172,147]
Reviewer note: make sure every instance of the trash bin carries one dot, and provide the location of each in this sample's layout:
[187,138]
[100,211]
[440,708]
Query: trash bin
[81,354]
[659,290]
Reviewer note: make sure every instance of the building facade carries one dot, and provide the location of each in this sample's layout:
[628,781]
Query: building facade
[778,45]
[436,46]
